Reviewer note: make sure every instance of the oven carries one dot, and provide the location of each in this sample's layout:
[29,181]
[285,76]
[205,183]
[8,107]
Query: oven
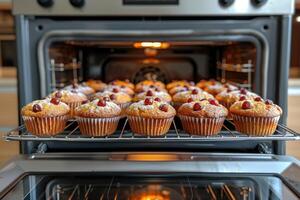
[246,43]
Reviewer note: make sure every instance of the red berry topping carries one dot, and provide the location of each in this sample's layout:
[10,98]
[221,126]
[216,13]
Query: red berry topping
[213,102]
[58,94]
[246,105]
[112,97]
[194,91]
[55,101]
[152,86]
[257,99]
[148,101]
[229,90]
[243,91]
[157,89]
[242,98]
[157,99]
[163,107]
[115,90]
[197,107]
[268,102]
[190,100]
[84,102]
[36,108]
[101,103]
[149,93]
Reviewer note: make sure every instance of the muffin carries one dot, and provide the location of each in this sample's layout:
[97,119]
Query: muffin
[83,88]
[97,85]
[71,98]
[120,98]
[205,83]
[190,95]
[218,87]
[255,117]
[116,88]
[205,117]
[178,89]
[176,83]
[125,83]
[98,118]
[46,117]
[152,94]
[229,97]
[141,86]
[150,117]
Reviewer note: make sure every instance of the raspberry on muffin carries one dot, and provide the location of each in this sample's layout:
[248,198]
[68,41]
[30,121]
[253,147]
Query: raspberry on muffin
[144,85]
[117,88]
[190,95]
[83,88]
[218,87]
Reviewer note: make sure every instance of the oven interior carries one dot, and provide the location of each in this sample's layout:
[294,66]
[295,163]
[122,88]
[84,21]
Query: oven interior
[80,60]
[154,187]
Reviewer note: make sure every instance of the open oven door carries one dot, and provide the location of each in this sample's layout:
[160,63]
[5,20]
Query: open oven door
[149,176]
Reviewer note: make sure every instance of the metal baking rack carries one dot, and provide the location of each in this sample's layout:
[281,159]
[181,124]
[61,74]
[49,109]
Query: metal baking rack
[72,134]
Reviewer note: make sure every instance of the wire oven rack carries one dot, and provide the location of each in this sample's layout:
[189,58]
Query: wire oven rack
[72,134]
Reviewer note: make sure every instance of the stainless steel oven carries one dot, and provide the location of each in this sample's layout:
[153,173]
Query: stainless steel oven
[243,42]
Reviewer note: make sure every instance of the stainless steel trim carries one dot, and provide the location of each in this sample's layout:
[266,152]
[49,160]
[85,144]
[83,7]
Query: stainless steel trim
[184,8]
[133,33]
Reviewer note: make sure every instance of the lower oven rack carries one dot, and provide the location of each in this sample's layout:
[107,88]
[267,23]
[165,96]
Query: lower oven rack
[282,133]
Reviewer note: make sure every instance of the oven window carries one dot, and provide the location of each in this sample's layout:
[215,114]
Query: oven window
[150,188]
[78,60]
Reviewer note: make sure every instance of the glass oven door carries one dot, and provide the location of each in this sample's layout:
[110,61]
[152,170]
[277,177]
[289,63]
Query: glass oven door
[151,176]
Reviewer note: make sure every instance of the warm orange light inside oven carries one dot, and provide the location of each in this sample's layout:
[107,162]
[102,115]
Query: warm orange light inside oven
[152,157]
[152,197]
[156,45]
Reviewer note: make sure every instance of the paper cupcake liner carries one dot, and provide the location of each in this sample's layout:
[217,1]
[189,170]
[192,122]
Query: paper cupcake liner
[45,126]
[255,126]
[123,107]
[149,126]
[72,106]
[97,127]
[203,126]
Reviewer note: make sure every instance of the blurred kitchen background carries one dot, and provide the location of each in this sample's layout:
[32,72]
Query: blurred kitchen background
[8,82]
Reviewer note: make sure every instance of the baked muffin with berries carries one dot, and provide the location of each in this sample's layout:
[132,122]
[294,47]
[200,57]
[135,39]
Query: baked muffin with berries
[83,88]
[255,117]
[98,118]
[45,117]
[176,83]
[144,85]
[152,94]
[125,83]
[204,117]
[190,95]
[229,97]
[116,88]
[219,87]
[178,89]
[205,83]
[73,98]
[150,117]
[97,85]
[120,98]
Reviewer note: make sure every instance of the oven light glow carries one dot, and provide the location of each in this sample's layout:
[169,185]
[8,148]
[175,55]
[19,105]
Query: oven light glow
[298,19]
[156,45]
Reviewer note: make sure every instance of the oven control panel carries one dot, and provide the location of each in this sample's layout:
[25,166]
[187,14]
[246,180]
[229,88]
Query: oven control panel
[153,7]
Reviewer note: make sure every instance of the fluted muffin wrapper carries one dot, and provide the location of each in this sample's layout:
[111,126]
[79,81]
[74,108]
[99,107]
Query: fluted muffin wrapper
[255,126]
[73,106]
[98,127]
[149,126]
[45,126]
[203,126]
[123,107]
